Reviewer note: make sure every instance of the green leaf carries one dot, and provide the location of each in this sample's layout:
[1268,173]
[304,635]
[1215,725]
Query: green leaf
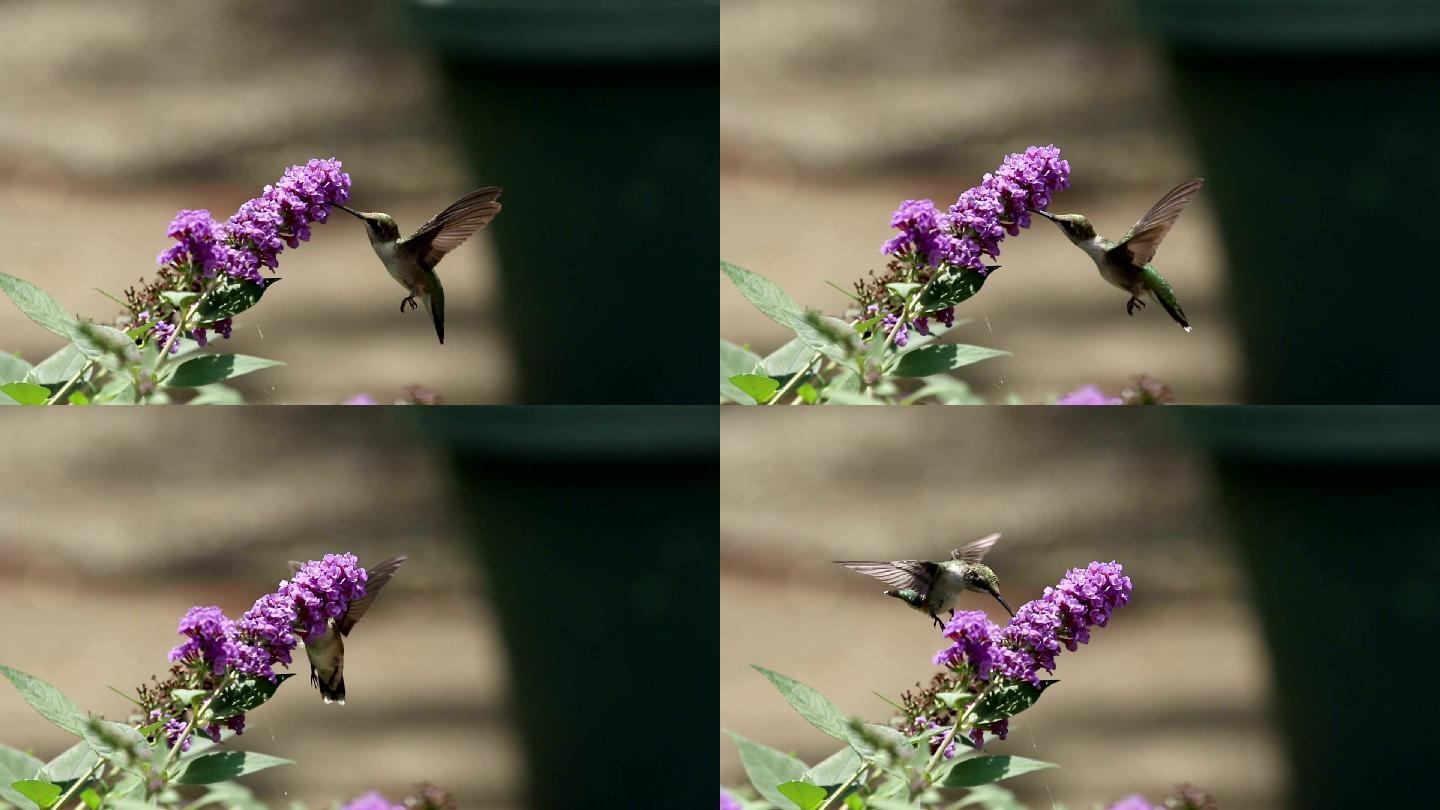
[178,298]
[230,298]
[902,289]
[231,796]
[982,770]
[187,696]
[223,765]
[213,368]
[26,393]
[59,367]
[1009,699]
[834,769]
[805,796]
[90,798]
[946,390]
[129,804]
[758,388]
[246,694]
[42,793]
[929,360]
[846,383]
[119,391]
[825,334]
[73,763]
[850,398]
[78,398]
[735,360]
[767,768]
[13,367]
[815,708]
[787,360]
[38,306]
[116,742]
[807,393]
[100,341]
[15,766]
[891,804]
[991,797]
[763,293]
[48,701]
[217,394]
[952,288]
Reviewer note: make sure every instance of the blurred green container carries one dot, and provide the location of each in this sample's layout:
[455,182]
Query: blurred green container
[601,120]
[1335,515]
[1314,121]
[596,528]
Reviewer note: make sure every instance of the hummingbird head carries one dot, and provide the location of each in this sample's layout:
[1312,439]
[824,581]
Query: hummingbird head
[382,227]
[1076,227]
[979,577]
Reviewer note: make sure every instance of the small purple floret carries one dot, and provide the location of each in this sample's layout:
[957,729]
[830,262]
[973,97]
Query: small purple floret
[372,801]
[728,802]
[210,638]
[1088,395]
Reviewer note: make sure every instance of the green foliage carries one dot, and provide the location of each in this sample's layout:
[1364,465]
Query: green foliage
[231,297]
[983,769]
[245,694]
[804,795]
[214,368]
[221,766]
[1009,699]
[16,766]
[48,701]
[815,708]
[767,768]
[38,306]
[26,393]
[40,792]
[850,362]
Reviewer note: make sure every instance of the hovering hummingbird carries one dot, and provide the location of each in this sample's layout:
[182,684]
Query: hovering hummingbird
[1126,264]
[327,653]
[411,261]
[931,587]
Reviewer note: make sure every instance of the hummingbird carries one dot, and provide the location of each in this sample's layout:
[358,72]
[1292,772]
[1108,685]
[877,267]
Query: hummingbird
[411,261]
[1126,264]
[931,587]
[327,653]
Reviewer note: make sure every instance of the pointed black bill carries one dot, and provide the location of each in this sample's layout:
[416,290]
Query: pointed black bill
[1044,214]
[1001,600]
[350,211]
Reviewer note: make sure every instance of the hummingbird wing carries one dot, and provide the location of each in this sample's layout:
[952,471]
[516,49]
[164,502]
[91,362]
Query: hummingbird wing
[975,550]
[917,575]
[376,578]
[1140,244]
[448,229]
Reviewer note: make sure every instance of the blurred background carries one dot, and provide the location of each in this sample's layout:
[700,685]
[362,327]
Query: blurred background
[831,114]
[1175,689]
[467,673]
[116,117]
[1276,553]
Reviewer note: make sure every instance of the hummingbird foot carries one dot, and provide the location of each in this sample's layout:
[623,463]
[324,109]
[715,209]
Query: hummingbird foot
[937,621]
[1132,305]
[409,299]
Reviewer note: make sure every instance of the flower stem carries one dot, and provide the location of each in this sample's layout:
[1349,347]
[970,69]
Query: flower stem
[184,319]
[841,790]
[950,736]
[775,400]
[73,380]
[79,783]
[190,726]
[906,312]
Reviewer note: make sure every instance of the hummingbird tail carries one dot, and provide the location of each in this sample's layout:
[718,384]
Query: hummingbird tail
[333,692]
[435,302]
[1160,289]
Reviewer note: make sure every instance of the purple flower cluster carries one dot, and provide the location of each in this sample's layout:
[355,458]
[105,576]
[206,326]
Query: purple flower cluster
[372,801]
[1085,598]
[209,638]
[728,802]
[974,643]
[1134,802]
[1088,395]
[982,216]
[322,590]
[262,227]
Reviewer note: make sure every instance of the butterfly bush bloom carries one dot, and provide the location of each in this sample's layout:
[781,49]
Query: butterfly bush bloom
[981,652]
[728,802]
[979,220]
[210,638]
[372,801]
[321,590]
[1088,395]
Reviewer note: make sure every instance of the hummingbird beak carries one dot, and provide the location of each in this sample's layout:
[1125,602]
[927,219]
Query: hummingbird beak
[1044,214]
[1001,600]
[350,211]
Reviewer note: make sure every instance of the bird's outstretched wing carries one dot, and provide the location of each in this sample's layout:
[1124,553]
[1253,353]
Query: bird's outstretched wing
[376,578]
[448,229]
[975,550]
[916,575]
[1140,244]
